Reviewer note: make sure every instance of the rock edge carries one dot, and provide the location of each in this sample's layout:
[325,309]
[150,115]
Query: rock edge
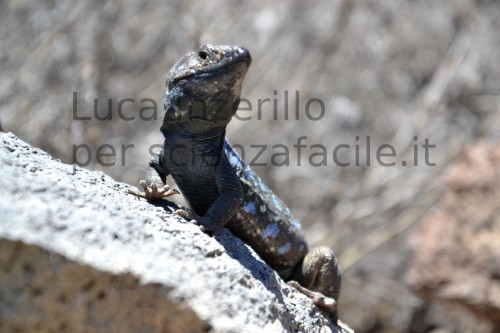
[78,254]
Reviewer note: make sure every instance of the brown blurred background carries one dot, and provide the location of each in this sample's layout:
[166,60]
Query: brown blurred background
[390,70]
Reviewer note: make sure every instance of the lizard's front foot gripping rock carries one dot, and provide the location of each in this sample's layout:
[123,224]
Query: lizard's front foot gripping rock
[153,192]
[206,224]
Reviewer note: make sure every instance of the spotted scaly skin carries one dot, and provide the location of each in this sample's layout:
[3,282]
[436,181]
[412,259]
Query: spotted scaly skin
[202,94]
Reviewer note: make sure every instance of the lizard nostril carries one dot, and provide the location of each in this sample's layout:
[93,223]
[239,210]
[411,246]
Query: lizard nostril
[203,55]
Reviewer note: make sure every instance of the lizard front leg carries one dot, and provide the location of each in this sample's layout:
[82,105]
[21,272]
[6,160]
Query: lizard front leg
[318,277]
[225,206]
[154,186]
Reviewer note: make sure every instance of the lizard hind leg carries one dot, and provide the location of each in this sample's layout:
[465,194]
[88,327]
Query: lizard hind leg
[318,277]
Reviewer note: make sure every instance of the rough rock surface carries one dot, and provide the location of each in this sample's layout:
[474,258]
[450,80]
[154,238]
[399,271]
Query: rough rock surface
[77,254]
[458,247]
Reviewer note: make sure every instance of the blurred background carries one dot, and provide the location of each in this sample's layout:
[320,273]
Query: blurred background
[396,72]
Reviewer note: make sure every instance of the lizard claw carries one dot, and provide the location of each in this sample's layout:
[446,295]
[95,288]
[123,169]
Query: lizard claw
[153,192]
[186,213]
[206,225]
[328,304]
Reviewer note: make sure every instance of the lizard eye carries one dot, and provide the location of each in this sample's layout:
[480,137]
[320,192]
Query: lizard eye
[203,55]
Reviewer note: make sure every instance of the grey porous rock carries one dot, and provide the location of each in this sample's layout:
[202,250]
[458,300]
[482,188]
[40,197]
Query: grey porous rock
[77,254]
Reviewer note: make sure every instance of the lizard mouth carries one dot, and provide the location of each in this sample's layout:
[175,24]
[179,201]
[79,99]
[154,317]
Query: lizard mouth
[212,71]
[225,65]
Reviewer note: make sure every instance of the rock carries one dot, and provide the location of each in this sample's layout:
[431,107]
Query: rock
[457,257]
[77,254]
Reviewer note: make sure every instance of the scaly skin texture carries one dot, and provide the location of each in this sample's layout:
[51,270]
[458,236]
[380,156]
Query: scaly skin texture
[202,95]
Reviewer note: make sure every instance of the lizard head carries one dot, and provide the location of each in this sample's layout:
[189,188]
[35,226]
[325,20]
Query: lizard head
[204,86]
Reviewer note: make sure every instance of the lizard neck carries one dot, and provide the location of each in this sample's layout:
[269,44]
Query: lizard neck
[193,132]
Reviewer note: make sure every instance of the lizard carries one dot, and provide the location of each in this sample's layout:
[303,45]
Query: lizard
[202,94]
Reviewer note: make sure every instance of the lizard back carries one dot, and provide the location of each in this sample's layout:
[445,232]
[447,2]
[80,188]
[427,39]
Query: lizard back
[264,222]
